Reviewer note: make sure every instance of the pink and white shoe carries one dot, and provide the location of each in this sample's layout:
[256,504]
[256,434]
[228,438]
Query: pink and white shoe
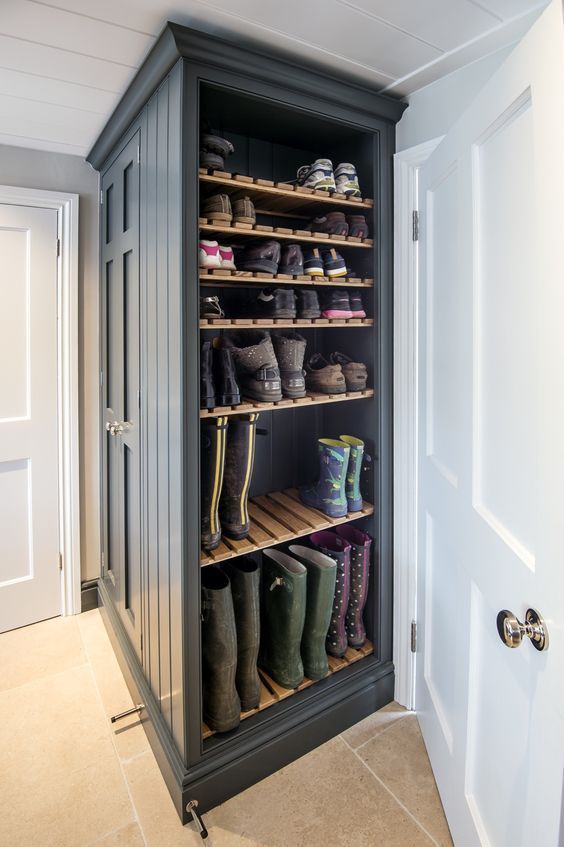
[227,258]
[209,254]
[336,304]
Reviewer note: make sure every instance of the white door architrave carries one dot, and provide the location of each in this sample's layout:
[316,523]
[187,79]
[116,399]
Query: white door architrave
[66,206]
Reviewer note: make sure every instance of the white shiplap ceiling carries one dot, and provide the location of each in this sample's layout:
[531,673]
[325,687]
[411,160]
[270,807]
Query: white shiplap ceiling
[65,64]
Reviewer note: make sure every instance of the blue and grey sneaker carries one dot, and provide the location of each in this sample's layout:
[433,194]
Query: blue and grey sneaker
[318,176]
[346,180]
[333,263]
[313,263]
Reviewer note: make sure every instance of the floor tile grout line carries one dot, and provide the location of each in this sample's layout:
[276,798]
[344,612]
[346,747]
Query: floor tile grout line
[380,732]
[391,793]
[120,763]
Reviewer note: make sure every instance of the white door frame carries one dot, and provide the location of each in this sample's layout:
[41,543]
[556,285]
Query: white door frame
[406,166]
[66,206]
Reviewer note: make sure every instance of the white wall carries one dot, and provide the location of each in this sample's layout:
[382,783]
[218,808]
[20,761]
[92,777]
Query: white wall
[434,109]
[58,172]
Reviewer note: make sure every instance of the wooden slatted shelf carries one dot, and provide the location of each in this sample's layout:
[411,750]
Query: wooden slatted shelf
[238,279]
[277,517]
[272,693]
[281,323]
[281,197]
[260,231]
[311,399]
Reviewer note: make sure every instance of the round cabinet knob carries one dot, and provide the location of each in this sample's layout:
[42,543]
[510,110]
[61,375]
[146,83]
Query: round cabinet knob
[512,631]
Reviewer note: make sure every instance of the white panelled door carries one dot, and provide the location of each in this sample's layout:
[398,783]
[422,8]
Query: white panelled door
[29,515]
[491,466]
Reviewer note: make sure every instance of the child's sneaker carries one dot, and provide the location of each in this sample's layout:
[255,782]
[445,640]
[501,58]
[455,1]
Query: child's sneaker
[318,176]
[346,180]
[333,264]
[226,258]
[209,254]
[313,263]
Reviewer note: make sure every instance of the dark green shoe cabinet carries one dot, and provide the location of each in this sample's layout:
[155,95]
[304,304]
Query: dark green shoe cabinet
[279,115]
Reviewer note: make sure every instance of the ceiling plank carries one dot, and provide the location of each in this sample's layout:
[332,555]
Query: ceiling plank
[31,87]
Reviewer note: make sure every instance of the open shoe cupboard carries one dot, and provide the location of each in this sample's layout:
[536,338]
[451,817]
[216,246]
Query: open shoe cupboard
[279,115]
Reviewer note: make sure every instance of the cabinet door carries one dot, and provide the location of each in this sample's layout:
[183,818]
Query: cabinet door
[120,387]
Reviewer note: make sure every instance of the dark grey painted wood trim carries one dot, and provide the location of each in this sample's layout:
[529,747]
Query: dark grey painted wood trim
[275,68]
[89,595]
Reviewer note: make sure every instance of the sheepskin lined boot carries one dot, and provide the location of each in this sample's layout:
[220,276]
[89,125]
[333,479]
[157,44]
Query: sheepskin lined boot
[290,350]
[257,368]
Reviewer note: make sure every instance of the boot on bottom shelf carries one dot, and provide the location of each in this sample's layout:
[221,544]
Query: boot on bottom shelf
[221,704]
[321,576]
[212,460]
[352,482]
[244,575]
[360,570]
[290,351]
[283,609]
[339,550]
[328,493]
[238,470]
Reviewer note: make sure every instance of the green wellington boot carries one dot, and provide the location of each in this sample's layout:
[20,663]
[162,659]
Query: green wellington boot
[321,575]
[221,704]
[352,484]
[212,456]
[239,461]
[284,607]
[244,575]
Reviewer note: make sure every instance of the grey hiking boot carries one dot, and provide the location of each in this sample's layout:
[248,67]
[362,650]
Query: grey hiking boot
[290,351]
[258,374]
[356,374]
[323,377]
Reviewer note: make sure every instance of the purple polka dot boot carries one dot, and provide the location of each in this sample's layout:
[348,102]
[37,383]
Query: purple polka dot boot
[340,551]
[360,544]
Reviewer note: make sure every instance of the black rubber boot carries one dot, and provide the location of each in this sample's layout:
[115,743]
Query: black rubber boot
[244,575]
[290,350]
[239,461]
[212,459]
[321,575]
[284,606]
[207,387]
[221,705]
[225,381]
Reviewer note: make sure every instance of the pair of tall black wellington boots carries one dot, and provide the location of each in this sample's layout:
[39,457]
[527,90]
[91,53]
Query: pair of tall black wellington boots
[230,642]
[226,467]
[298,591]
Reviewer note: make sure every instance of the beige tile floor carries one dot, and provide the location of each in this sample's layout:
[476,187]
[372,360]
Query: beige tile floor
[68,777]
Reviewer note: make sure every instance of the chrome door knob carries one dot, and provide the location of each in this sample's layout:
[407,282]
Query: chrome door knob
[512,631]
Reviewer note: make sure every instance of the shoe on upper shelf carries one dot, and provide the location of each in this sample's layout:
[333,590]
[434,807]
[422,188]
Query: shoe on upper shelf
[260,256]
[356,375]
[209,254]
[346,180]
[357,307]
[336,304]
[227,258]
[218,208]
[210,307]
[308,304]
[244,211]
[323,377]
[214,150]
[333,263]
[358,228]
[291,260]
[334,223]
[313,263]
[276,303]
[318,175]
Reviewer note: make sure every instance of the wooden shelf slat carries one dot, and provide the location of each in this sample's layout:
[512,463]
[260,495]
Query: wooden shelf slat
[312,399]
[281,323]
[271,692]
[240,279]
[268,232]
[280,197]
[275,518]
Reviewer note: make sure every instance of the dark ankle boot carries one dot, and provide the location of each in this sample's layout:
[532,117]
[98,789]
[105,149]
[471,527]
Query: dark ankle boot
[340,551]
[328,493]
[212,459]
[352,484]
[221,705]
[360,569]
[290,351]
[239,461]
[207,387]
[308,304]
[258,373]
[321,575]
[225,381]
[284,605]
[244,575]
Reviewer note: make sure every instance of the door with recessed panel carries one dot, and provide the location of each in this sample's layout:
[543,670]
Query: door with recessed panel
[120,387]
